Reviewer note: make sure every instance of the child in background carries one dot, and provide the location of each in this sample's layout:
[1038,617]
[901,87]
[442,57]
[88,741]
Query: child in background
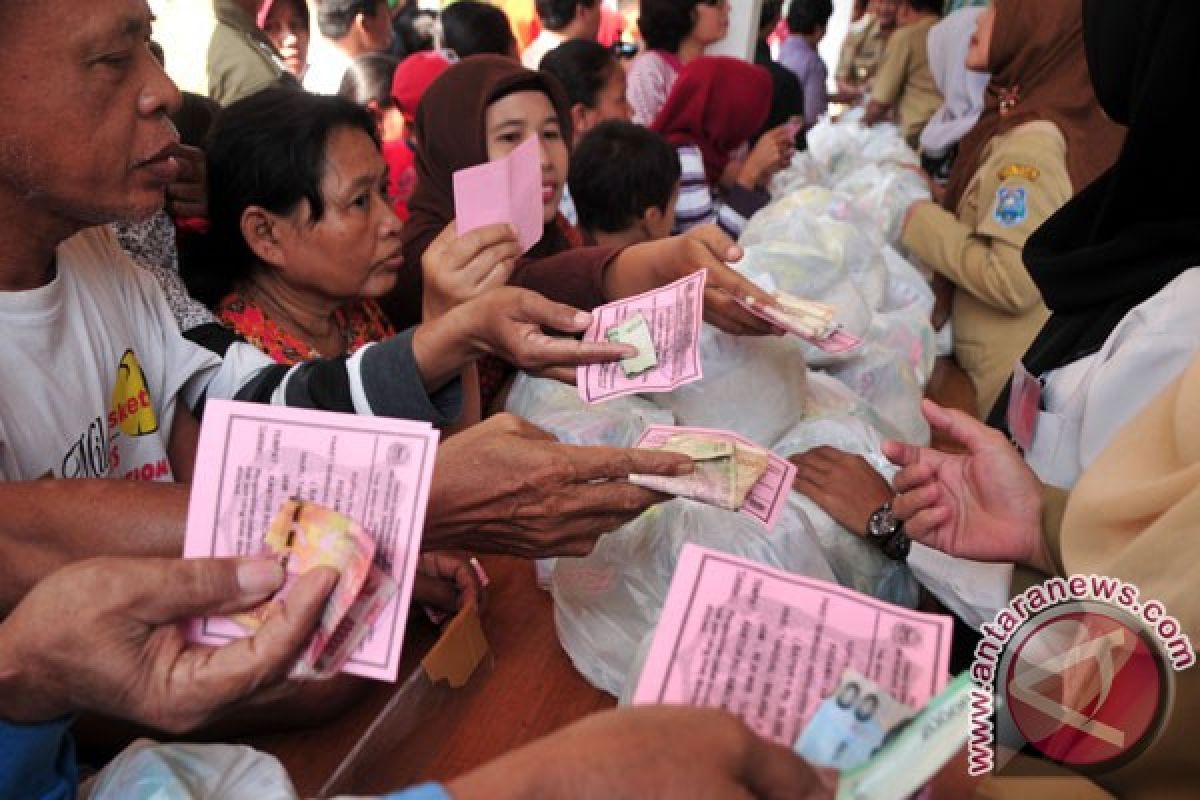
[625,181]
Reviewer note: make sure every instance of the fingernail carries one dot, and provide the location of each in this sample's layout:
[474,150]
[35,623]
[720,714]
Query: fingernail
[258,576]
[582,319]
[685,468]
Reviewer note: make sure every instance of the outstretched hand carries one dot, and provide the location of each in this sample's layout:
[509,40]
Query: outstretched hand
[984,504]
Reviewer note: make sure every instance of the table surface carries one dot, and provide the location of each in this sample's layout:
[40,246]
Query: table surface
[528,689]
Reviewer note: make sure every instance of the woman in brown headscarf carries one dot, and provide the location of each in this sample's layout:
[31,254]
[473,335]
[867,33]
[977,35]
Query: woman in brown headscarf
[479,110]
[1042,138]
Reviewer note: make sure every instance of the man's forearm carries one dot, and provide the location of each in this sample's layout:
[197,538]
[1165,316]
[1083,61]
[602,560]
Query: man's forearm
[48,524]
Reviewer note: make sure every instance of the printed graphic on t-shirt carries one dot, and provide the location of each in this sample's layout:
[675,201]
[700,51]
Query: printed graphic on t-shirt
[113,446]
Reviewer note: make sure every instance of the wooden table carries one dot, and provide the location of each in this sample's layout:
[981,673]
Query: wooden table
[530,689]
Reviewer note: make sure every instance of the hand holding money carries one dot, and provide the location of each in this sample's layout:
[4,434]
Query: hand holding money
[726,469]
[851,724]
[304,537]
[104,635]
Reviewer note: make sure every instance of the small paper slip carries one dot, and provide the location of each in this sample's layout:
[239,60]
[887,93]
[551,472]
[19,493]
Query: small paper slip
[769,646]
[673,314]
[1024,404]
[377,471]
[508,190]
[837,341]
[767,496]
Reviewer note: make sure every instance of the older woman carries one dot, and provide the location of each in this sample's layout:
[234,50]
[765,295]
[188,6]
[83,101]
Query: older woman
[305,239]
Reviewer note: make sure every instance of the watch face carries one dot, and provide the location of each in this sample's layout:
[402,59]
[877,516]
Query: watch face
[883,523]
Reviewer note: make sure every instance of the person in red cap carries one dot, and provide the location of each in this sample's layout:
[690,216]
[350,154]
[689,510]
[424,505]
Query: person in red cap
[409,82]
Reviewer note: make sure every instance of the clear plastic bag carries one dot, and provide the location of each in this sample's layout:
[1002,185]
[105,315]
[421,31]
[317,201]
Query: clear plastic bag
[147,770]
[606,603]
[556,407]
[752,385]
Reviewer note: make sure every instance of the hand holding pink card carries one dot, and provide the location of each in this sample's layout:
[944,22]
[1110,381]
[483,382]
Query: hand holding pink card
[769,646]
[374,472]
[508,190]
[670,319]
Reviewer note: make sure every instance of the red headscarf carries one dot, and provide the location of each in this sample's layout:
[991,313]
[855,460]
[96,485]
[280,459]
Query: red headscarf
[717,104]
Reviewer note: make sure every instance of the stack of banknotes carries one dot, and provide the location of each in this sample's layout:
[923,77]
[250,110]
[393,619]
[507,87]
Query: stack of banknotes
[304,536]
[634,331]
[881,747]
[726,470]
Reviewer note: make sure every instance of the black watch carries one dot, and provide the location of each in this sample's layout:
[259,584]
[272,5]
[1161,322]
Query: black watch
[887,533]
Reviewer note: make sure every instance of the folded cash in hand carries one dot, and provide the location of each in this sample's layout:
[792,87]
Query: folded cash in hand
[806,318]
[726,470]
[851,724]
[305,536]
[635,332]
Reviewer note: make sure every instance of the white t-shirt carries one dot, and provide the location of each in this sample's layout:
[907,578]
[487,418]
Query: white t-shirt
[327,66]
[93,365]
[545,41]
[1088,401]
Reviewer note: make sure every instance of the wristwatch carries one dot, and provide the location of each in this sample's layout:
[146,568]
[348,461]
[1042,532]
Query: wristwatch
[887,533]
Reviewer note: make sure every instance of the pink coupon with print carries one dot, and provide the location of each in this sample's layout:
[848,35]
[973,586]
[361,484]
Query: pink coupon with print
[769,646]
[664,325]
[253,459]
[508,190]
[767,495]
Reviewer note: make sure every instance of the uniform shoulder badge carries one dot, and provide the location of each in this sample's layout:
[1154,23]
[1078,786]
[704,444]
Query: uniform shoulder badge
[1011,206]
[1019,171]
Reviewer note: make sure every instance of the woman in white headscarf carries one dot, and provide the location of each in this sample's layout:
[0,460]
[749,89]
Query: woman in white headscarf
[961,88]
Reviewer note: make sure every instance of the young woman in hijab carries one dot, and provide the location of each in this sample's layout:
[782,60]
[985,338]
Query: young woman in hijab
[962,92]
[1117,265]
[716,105]
[480,110]
[1041,138]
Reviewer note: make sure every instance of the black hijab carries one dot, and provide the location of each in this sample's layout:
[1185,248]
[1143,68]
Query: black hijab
[1122,239]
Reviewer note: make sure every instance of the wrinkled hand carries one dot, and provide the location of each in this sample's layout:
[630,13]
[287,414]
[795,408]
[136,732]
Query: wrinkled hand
[187,197]
[668,753]
[457,268]
[103,635]
[447,582]
[985,504]
[506,486]
[509,322]
[772,152]
[844,485]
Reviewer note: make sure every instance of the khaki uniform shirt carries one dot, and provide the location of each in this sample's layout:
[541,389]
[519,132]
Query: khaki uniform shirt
[861,54]
[905,82]
[998,310]
[241,59]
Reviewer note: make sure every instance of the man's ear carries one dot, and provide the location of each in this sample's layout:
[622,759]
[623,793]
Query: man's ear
[263,233]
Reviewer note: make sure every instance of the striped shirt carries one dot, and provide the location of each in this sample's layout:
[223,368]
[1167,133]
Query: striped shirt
[698,206]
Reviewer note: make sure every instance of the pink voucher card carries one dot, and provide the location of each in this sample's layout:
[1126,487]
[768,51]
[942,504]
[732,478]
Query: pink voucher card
[674,314]
[508,190]
[375,470]
[769,646]
[767,497]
